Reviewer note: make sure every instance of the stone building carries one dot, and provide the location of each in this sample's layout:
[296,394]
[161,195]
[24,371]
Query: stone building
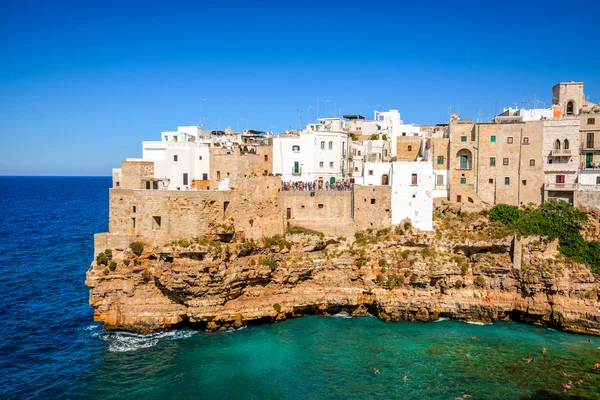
[496,163]
[569,96]
[561,151]
[230,167]
[437,151]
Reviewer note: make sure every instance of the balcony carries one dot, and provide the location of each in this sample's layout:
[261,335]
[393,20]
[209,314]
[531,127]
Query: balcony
[560,186]
[562,152]
[465,166]
[591,166]
[296,171]
[591,147]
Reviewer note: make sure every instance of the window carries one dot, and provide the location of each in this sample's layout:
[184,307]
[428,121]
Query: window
[218,174]
[133,209]
[557,145]
[148,185]
[493,138]
[492,161]
[200,158]
[409,147]
[570,108]
[370,172]
[463,138]
[372,201]
[526,140]
[322,145]
[266,157]
[185,179]
[225,205]
[439,180]
[524,182]
[175,158]
[532,162]
[156,222]
[205,177]
[330,164]
[320,205]
[133,223]
[566,145]
[440,160]
[589,143]
[359,152]
[560,179]
[458,198]
[384,179]
[413,179]
[289,213]
[598,180]
[330,145]
[490,180]
[166,138]
[463,181]
[355,169]
[509,140]
[321,164]
[155,185]
[591,121]
[507,180]
[505,161]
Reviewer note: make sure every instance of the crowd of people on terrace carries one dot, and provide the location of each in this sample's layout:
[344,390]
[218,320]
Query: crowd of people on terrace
[318,185]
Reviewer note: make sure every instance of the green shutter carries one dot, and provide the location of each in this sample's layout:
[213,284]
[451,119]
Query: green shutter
[493,138]
[463,180]
[492,161]
[440,160]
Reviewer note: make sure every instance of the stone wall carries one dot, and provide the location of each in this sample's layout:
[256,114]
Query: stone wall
[329,212]
[253,210]
[408,148]
[236,166]
[372,207]
[588,198]
[135,174]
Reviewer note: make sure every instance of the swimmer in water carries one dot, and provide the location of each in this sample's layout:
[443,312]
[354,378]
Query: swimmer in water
[405,378]
[543,350]
[474,337]
[564,373]
[528,359]
[376,371]
[567,385]
[589,341]
[597,366]
[464,396]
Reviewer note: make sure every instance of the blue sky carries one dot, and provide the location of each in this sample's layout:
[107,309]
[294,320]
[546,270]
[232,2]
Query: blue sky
[83,83]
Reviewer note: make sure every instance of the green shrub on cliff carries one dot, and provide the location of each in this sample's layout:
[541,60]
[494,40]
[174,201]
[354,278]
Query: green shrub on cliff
[277,307]
[554,219]
[126,262]
[112,266]
[137,248]
[104,257]
[479,282]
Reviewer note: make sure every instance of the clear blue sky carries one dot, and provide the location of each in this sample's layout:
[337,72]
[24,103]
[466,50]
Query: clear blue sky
[82,83]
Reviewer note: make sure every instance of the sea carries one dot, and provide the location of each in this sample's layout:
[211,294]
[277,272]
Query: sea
[50,347]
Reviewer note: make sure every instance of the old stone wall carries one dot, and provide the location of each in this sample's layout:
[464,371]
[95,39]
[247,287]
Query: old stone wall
[235,165]
[587,199]
[408,148]
[135,174]
[253,210]
[329,212]
[372,207]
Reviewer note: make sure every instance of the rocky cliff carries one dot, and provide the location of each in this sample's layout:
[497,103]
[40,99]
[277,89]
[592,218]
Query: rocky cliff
[468,268]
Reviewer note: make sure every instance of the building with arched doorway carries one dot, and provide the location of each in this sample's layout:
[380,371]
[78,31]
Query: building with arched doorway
[569,96]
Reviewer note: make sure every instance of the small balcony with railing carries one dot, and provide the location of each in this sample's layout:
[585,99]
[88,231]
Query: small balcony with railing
[562,153]
[296,170]
[560,186]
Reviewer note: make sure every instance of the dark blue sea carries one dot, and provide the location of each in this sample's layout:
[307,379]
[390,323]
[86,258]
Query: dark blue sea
[50,348]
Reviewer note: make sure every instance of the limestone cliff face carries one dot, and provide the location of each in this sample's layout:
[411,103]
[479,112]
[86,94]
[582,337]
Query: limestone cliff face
[469,269]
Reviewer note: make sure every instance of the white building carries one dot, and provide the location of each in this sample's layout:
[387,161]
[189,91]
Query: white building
[318,153]
[412,184]
[376,174]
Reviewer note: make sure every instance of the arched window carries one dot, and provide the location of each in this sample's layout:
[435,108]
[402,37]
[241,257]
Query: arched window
[557,145]
[570,108]
[566,146]
[384,179]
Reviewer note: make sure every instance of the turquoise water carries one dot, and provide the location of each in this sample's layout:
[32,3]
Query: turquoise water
[334,358]
[50,348]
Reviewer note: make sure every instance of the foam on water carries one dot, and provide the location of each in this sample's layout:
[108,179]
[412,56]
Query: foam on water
[119,342]
[441,319]
[341,315]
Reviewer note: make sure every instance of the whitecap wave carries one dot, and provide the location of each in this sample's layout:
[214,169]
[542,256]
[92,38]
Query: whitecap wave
[119,342]
[342,315]
[441,319]
[476,323]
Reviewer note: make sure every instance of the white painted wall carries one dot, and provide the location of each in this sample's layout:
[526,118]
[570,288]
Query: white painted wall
[413,201]
[440,191]
[588,177]
[374,171]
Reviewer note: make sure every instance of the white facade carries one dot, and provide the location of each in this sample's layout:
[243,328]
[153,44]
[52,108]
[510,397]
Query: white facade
[177,164]
[319,153]
[412,184]
[376,174]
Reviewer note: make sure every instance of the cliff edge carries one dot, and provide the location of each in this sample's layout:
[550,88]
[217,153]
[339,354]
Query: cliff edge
[469,268]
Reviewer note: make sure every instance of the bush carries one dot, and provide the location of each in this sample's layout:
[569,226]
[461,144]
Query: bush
[106,271]
[112,266]
[104,257]
[269,263]
[275,240]
[379,279]
[464,268]
[126,262]
[277,307]
[137,248]
[505,213]
[479,282]
[458,284]
[146,276]
[394,281]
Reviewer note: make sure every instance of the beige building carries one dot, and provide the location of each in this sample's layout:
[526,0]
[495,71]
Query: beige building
[229,167]
[561,158]
[496,163]
[569,96]
[408,148]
